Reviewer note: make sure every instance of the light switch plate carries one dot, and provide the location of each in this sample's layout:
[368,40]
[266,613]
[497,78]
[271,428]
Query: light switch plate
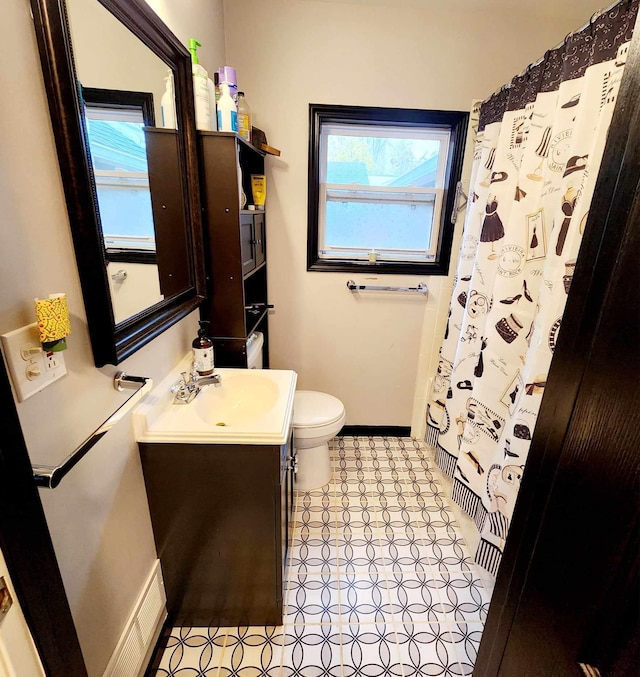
[30,367]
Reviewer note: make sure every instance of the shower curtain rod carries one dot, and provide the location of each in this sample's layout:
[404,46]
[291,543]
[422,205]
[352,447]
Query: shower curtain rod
[594,16]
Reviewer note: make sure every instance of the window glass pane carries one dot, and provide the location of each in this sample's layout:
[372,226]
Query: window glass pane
[119,157]
[376,160]
[125,209]
[382,225]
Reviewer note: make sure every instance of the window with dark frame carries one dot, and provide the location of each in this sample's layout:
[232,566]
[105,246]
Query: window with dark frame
[115,122]
[382,185]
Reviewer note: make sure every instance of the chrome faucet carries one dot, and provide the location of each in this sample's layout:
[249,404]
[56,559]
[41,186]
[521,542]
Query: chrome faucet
[190,384]
[216,379]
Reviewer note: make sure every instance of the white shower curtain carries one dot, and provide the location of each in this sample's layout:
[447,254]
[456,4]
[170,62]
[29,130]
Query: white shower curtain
[537,152]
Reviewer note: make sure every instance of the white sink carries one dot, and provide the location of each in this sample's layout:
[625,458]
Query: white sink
[244,396]
[252,406]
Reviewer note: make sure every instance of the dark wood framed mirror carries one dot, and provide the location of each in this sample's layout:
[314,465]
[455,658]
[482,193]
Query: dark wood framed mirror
[136,203]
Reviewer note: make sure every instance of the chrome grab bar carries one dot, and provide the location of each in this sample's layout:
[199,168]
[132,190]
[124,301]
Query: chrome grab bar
[49,477]
[420,289]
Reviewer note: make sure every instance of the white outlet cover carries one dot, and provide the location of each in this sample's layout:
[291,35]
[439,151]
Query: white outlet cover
[13,347]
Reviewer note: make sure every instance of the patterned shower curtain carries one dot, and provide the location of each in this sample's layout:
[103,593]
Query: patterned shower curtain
[538,148]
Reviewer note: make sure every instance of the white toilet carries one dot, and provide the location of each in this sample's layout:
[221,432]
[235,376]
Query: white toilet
[317,417]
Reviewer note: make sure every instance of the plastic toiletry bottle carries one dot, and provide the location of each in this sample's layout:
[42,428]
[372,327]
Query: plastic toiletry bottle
[168,103]
[200,88]
[203,351]
[213,98]
[227,111]
[244,118]
[228,74]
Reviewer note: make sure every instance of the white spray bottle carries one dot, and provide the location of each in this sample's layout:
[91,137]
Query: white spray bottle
[200,89]
[168,103]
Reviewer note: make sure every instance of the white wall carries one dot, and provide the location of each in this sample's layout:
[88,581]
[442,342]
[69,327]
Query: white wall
[98,517]
[139,289]
[109,56]
[366,350]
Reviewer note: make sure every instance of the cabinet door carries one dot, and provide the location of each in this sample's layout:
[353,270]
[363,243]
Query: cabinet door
[165,184]
[247,249]
[259,234]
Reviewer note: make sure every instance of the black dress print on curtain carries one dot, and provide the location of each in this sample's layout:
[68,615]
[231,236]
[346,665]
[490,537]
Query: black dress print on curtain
[568,205]
[492,228]
[479,370]
[488,165]
[514,393]
[541,151]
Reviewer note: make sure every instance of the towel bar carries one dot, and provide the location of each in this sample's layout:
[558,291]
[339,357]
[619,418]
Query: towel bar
[420,289]
[49,476]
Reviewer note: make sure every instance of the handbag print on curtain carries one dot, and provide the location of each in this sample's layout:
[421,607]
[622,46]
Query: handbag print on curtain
[536,159]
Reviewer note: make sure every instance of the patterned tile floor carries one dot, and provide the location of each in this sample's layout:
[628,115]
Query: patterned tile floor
[379,581]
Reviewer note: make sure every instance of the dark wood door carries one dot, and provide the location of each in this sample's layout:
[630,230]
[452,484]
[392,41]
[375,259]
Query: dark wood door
[165,184]
[246,243]
[28,550]
[567,590]
[259,238]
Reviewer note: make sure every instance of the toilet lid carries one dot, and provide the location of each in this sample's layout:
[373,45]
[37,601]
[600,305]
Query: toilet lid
[311,408]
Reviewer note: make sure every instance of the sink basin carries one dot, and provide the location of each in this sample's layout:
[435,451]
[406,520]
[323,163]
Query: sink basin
[243,397]
[252,406]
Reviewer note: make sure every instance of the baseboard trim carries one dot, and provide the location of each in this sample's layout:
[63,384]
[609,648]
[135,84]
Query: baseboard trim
[141,630]
[375,431]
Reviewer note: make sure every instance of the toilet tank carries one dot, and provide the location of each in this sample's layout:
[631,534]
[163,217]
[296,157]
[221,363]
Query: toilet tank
[255,343]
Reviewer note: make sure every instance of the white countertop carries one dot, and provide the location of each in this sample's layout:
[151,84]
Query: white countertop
[252,406]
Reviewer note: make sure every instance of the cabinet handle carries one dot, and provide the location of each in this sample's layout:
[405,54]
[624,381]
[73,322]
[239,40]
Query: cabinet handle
[253,241]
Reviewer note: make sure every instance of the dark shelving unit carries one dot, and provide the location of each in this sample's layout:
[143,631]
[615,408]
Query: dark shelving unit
[235,244]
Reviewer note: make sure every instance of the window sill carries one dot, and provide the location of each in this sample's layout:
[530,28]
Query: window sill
[378,268]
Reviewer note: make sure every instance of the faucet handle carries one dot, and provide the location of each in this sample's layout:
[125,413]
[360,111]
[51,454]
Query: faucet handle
[178,385]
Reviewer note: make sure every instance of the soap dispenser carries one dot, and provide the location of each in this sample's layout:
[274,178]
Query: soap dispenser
[200,89]
[202,352]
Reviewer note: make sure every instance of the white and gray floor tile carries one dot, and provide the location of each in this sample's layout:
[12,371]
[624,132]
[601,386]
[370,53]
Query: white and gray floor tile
[380,581]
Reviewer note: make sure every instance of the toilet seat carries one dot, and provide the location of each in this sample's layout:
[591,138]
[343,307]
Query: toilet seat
[313,409]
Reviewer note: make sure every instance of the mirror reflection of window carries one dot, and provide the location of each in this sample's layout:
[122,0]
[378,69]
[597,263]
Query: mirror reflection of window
[119,157]
[116,123]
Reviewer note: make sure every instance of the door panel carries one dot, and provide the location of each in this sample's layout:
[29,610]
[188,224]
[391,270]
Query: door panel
[246,243]
[259,234]
[592,511]
[567,588]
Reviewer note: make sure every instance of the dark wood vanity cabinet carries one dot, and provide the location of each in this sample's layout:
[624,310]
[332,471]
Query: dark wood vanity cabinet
[235,241]
[222,519]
